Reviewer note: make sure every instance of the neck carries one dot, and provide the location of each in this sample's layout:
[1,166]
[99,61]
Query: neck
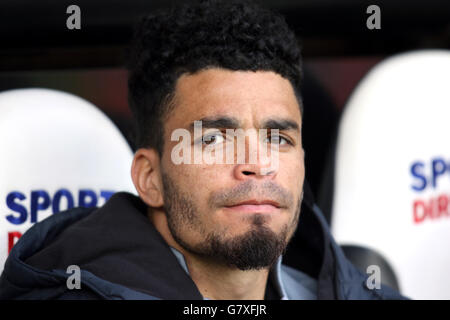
[215,281]
[219,282]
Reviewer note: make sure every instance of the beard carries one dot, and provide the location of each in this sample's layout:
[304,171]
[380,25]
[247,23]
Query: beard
[257,248]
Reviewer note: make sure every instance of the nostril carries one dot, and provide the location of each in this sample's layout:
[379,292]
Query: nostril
[247,173]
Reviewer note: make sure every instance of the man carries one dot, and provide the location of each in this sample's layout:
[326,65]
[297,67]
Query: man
[201,229]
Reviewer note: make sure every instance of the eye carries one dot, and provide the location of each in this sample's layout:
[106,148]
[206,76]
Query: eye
[213,138]
[277,139]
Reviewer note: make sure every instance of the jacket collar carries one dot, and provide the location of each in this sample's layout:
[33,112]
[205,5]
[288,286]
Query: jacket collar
[93,241]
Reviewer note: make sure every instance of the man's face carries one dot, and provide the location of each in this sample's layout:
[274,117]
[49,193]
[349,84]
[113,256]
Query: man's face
[234,213]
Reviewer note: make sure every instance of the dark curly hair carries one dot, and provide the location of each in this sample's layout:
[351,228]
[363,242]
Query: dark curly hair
[229,34]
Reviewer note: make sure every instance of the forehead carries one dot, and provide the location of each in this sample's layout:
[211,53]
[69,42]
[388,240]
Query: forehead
[245,95]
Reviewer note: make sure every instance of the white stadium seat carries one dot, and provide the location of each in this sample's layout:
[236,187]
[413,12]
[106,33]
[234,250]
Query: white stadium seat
[57,151]
[392,170]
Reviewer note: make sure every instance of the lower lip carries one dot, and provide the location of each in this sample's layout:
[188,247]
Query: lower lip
[253,208]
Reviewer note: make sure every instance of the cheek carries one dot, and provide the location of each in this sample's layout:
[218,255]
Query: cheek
[197,177]
[291,171]
[196,181]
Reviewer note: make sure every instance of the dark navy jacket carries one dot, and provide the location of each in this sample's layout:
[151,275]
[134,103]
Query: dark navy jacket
[122,256]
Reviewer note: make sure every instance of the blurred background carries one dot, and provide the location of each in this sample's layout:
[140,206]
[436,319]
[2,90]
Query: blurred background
[37,50]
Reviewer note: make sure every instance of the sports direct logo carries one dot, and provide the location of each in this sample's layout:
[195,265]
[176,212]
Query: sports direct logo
[430,176]
[213,146]
[26,208]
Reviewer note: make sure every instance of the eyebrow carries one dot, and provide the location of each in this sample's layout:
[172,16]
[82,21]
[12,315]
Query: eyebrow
[225,122]
[281,124]
[221,122]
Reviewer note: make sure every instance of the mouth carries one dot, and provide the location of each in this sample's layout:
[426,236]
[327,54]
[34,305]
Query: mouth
[255,206]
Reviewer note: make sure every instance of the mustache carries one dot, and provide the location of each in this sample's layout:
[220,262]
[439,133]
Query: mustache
[251,189]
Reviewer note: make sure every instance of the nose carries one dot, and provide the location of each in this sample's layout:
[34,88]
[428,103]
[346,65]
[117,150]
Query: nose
[257,165]
[253,171]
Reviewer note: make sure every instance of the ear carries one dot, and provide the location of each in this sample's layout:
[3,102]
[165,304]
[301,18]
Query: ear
[146,176]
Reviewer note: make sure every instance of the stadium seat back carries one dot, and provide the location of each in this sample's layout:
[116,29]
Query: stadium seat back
[58,151]
[392,170]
